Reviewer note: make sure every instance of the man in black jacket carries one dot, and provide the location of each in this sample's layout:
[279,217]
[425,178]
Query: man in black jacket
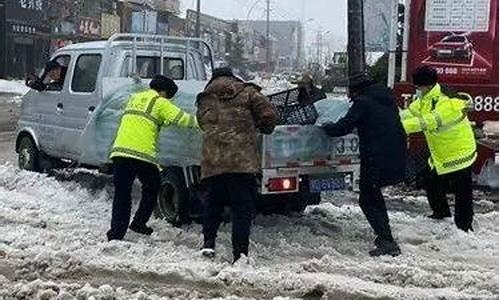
[383,152]
[52,77]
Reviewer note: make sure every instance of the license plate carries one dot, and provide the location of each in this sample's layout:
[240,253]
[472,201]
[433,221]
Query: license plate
[347,146]
[327,184]
[445,51]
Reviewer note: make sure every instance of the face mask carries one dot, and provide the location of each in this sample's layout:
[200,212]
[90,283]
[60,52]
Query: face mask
[418,93]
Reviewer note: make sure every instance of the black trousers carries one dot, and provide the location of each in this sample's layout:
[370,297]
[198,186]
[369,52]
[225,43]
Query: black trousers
[125,170]
[239,191]
[460,183]
[372,204]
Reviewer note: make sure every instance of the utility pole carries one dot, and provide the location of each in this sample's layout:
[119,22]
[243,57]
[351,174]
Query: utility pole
[356,38]
[406,37]
[198,12]
[393,43]
[318,48]
[268,36]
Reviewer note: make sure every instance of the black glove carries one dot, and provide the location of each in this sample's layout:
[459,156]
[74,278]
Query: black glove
[328,127]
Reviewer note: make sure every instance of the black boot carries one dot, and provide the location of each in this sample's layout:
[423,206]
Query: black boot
[385,247]
[111,236]
[142,229]
[208,249]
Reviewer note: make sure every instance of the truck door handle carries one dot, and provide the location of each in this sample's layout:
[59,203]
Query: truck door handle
[91,108]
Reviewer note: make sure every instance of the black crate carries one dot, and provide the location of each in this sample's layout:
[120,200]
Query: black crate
[290,109]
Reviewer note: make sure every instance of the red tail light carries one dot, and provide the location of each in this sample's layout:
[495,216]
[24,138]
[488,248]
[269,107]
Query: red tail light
[282,184]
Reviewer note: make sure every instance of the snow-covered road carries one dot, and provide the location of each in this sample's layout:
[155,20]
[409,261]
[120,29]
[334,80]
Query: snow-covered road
[52,246]
[52,242]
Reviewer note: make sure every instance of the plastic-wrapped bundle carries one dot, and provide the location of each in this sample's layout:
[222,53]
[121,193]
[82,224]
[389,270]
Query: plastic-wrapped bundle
[331,110]
[98,136]
[177,146]
[296,144]
[182,147]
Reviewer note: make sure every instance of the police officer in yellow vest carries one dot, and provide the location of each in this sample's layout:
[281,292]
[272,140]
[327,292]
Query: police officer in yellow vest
[450,139]
[134,153]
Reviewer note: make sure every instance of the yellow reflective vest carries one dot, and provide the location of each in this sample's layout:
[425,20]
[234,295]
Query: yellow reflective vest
[144,116]
[447,130]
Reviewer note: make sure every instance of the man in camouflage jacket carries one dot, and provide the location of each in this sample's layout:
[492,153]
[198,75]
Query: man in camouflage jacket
[231,114]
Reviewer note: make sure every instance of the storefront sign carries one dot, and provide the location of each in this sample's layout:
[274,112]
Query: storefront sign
[26,16]
[31,4]
[89,27]
[110,24]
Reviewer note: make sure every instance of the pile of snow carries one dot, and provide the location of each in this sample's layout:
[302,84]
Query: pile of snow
[52,239]
[13,87]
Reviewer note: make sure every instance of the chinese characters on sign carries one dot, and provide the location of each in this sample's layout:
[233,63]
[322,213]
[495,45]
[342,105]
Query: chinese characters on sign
[89,26]
[31,4]
[457,15]
[23,29]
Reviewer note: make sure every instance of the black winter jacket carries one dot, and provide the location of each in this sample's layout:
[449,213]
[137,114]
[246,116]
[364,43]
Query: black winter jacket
[381,135]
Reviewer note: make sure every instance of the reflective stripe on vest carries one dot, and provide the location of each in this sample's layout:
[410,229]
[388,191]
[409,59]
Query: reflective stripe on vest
[423,125]
[151,104]
[192,122]
[438,119]
[146,114]
[178,117]
[134,153]
[452,123]
[459,161]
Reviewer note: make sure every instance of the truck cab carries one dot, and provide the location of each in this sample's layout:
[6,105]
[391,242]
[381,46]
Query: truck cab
[52,120]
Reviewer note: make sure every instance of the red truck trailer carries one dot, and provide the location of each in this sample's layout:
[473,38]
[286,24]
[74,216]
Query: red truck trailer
[460,40]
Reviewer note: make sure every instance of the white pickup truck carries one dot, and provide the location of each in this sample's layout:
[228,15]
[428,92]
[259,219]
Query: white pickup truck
[52,122]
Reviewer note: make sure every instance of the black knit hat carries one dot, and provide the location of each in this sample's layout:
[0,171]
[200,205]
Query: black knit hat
[424,76]
[360,81]
[51,65]
[163,83]
[220,72]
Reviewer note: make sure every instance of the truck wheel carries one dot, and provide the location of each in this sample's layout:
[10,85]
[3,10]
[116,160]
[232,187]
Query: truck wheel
[173,198]
[28,155]
[311,198]
[298,206]
[304,199]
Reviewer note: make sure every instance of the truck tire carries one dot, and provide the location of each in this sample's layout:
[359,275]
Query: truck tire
[298,205]
[173,197]
[28,155]
[311,198]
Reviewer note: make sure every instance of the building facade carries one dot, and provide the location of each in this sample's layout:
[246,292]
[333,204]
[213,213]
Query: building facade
[287,39]
[217,32]
[25,37]
[31,30]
